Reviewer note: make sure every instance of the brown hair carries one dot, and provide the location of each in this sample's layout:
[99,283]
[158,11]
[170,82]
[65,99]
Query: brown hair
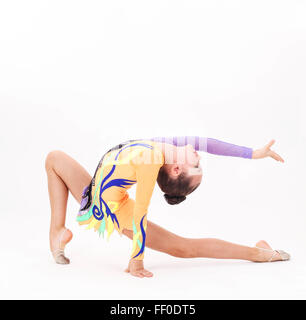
[175,190]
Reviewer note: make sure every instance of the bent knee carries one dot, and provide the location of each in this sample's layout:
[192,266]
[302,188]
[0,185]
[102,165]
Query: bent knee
[51,157]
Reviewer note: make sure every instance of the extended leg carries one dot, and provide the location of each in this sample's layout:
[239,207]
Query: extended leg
[64,175]
[165,241]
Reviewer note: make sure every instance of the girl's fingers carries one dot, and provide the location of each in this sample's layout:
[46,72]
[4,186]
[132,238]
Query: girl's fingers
[139,274]
[277,157]
[281,159]
[274,156]
[142,273]
[270,144]
[147,273]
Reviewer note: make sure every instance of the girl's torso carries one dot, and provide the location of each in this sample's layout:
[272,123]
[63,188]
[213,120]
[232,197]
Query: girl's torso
[116,171]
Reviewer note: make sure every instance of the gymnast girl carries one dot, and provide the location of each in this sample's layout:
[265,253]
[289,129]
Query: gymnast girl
[105,205]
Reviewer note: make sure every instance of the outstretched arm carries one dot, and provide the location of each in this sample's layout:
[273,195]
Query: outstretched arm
[209,145]
[221,148]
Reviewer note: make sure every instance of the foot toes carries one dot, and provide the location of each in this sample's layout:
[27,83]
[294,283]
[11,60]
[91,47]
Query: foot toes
[284,255]
[61,259]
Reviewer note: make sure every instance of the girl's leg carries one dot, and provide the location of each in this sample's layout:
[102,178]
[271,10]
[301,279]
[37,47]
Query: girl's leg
[158,238]
[64,175]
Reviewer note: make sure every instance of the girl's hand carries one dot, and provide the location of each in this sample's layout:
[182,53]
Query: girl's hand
[135,268]
[267,152]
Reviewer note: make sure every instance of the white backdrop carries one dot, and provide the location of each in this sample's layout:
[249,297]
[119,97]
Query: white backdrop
[83,76]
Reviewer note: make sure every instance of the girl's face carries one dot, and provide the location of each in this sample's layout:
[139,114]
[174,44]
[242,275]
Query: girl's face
[188,160]
[193,165]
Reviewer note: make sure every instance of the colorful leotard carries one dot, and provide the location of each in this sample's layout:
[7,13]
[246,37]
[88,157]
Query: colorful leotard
[106,205]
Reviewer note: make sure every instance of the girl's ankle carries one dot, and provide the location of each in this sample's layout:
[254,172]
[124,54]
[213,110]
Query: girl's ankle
[57,230]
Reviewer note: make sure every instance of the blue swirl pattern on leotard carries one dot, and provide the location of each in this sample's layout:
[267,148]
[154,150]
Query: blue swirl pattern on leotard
[143,238]
[122,183]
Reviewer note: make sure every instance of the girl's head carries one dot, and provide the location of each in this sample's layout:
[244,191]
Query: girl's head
[180,176]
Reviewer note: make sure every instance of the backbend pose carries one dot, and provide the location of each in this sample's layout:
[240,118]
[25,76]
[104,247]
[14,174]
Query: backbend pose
[105,204]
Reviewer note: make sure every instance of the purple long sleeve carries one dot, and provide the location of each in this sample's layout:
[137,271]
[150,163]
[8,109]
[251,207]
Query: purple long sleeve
[209,145]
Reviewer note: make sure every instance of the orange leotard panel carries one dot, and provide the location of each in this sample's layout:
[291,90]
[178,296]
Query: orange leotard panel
[106,204]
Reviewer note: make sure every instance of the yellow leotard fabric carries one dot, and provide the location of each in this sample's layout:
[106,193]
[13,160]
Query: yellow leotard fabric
[108,205]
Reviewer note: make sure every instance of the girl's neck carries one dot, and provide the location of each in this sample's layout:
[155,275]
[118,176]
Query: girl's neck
[169,152]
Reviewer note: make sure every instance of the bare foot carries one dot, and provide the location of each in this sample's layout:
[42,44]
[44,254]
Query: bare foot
[58,241]
[268,253]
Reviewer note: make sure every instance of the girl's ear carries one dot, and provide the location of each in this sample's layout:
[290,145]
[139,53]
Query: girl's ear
[176,170]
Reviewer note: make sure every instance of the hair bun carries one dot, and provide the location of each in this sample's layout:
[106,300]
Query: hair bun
[174,199]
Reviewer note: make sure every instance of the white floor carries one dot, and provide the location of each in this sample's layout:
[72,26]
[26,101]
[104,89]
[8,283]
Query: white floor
[27,271]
